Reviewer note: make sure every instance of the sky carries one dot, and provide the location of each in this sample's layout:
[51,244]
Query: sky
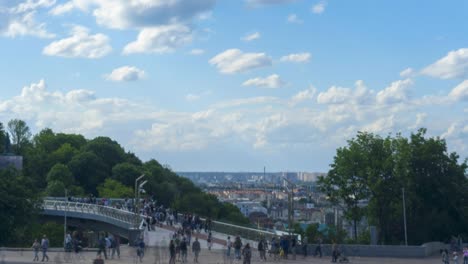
[236,85]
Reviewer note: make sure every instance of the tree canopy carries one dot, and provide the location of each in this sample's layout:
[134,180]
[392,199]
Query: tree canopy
[368,175]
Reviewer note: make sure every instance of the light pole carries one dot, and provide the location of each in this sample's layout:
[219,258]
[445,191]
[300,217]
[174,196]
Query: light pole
[65,220]
[404,216]
[137,190]
[290,188]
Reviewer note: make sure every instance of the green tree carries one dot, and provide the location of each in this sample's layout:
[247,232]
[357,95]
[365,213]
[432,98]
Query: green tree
[18,204]
[2,138]
[60,172]
[114,189]
[89,171]
[20,134]
[108,150]
[126,173]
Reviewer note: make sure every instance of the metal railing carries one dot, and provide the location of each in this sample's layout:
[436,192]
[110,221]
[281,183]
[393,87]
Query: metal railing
[108,212]
[137,222]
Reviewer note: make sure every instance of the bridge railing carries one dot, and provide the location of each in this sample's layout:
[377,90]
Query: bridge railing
[244,232]
[108,212]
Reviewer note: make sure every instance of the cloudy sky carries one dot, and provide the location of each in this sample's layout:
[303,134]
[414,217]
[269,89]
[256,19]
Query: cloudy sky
[235,85]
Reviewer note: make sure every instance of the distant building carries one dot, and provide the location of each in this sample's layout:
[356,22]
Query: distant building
[9,160]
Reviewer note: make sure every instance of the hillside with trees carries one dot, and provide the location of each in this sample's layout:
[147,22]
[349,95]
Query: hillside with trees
[100,167]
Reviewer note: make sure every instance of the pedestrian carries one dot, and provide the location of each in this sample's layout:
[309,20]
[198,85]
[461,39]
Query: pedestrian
[108,245]
[261,249]
[334,252]
[455,257]
[115,244]
[172,252]
[102,247]
[304,246]
[247,254]
[196,248]
[229,246]
[45,247]
[237,247]
[140,244]
[36,247]
[183,250]
[445,256]
[318,248]
[209,240]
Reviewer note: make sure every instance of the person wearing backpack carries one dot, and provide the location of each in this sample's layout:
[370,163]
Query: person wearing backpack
[183,250]
[247,254]
[196,248]
[102,247]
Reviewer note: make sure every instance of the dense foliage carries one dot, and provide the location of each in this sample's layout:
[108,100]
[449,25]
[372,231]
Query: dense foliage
[54,162]
[367,178]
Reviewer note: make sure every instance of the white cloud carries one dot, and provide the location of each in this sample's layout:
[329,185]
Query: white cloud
[294,19]
[453,65]
[296,57]
[341,95]
[319,8]
[408,72]
[272,81]
[301,96]
[80,44]
[33,5]
[251,37]
[397,92]
[197,52]
[235,61]
[124,14]
[460,92]
[192,97]
[126,74]
[162,39]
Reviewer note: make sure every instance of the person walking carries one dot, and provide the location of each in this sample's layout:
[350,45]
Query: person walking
[45,247]
[247,254]
[318,248]
[36,246]
[293,247]
[229,246]
[196,248]
[261,249]
[445,256]
[115,244]
[183,250]
[140,244]
[172,252]
[304,246]
[102,247]
[237,247]
[209,240]
[465,255]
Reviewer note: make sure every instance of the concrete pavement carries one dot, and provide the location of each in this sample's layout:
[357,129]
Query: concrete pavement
[160,255]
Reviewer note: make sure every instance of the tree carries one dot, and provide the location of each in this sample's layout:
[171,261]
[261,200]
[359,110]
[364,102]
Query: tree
[126,173]
[18,204]
[2,138]
[89,171]
[60,172]
[114,189]
[20,134]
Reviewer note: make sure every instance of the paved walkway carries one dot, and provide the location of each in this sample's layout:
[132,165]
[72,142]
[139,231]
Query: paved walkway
[156,256]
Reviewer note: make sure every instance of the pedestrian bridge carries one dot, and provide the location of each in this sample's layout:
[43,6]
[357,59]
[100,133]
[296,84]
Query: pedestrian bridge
[128,224]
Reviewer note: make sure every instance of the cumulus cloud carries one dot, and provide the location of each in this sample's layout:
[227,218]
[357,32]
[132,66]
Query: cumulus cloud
[124,14]
[235,61]
[319,8]
[80,44]
[294,19]
[126,74]
[453,65]
[341,95]
[272,81]
[296,57]
[408,72]
[19,19]
[161,39]
[251,37]
[301,96]
[397,92]
[460,92]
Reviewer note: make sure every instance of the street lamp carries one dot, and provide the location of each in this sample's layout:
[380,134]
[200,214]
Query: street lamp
[137,191]
[290,189]
[65,221]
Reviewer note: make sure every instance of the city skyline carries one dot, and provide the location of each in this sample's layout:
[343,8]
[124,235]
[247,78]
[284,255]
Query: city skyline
[212,85]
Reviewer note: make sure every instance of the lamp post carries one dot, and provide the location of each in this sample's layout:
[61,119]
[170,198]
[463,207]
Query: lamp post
[65,220]
[290,188]
[404,215]
[137,190]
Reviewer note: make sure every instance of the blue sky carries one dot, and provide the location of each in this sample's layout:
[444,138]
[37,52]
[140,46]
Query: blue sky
[235,85]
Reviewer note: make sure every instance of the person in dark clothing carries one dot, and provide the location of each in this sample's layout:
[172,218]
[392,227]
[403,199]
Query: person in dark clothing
[247,253]
[183,250]
[172,252]
[102,247]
